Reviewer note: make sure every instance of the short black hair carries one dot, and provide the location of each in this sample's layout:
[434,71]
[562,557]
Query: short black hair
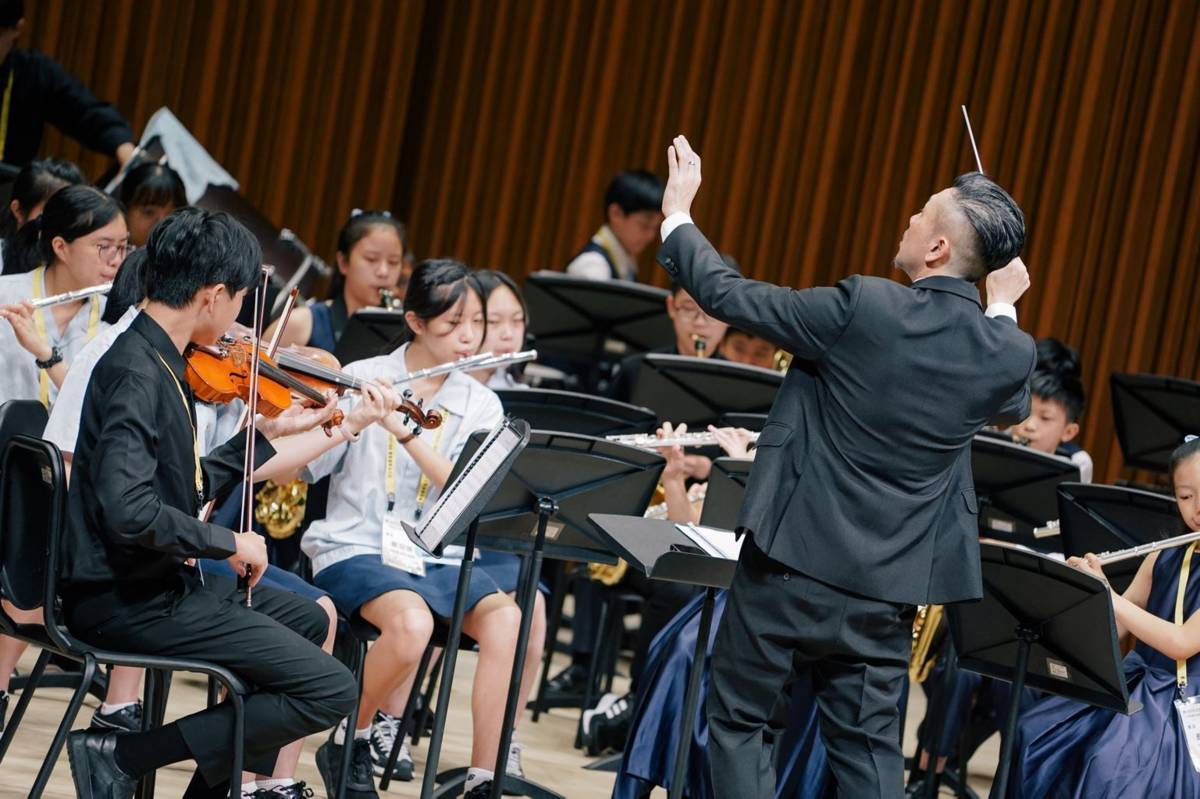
[1186,450]
[155,185]
[128,288]
[996,219]
[71,213]
[436,286]
[490,279]
[1059,377]
[634,190]
[11,12]
[192,248]
[34,184]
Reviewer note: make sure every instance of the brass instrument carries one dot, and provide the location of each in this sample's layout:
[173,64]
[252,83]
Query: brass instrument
[701,345]
[281,507]
[651,442]
[1006,432]
[924,631]
[71,296]
[783,359]
[389,300]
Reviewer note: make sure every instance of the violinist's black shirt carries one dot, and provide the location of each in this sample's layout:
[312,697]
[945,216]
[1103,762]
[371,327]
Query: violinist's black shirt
[42,91]
[133,503]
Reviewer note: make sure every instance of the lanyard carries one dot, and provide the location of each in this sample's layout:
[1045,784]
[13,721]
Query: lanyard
[605,239]
[4,111]
[195,442]
[422,484]
[39,314]
[1184,570]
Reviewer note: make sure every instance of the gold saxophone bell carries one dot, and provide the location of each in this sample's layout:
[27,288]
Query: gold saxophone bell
[783,359]
[925,629]
[281,507]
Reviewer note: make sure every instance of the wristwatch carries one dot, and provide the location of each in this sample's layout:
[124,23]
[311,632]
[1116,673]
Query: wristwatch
[55,357]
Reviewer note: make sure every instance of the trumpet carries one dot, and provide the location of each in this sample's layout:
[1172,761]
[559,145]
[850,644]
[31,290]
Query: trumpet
[71,296]
[651,442]
[389,300]
[701,345]
[1118,555]
[484,360]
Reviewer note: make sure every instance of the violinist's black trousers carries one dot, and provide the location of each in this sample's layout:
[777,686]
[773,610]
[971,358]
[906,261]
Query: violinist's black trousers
[297,688]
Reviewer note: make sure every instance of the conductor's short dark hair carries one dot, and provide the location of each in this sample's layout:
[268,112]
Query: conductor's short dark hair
[996,219]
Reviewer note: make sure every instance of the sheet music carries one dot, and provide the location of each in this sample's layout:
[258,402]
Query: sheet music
[454,500]
[715,543]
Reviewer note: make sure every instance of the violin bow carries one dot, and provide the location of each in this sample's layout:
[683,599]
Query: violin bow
[247,514]
[971,136]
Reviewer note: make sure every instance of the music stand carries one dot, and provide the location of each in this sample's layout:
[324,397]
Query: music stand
[571,412]
[539,508]
[754,422]
[368,332]
[591,324]
[1098,518]
[699,391]
[1016,488]
[1044,624]
[1153,413]
[658,549]
[726,488]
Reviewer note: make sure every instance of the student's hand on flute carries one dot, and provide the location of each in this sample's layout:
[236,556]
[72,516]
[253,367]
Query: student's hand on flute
[683,177]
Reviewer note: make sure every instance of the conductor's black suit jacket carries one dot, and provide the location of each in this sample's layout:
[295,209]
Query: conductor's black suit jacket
[862,478]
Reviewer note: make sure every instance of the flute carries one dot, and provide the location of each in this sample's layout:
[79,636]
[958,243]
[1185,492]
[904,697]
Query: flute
[71,296]
[648,441]
[1118,555]
[484,360]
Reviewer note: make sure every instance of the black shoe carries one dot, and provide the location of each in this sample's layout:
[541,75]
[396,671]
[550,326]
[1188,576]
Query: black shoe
[360,784]
[3,708]
[917,787]
[127,719]
[482,790]
[607,726]
[297,790]
[383,738]
[94,766]
[571,681]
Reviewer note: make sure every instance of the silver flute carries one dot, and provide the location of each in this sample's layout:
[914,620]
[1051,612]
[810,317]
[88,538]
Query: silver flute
[648,441]
[1118,555]
[71,296]
[484,360]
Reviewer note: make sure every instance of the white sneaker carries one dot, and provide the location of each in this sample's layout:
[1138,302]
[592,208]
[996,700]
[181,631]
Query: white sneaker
[513,767]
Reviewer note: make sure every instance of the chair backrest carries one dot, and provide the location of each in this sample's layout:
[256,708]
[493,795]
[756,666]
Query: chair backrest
[33,505]
[22,417]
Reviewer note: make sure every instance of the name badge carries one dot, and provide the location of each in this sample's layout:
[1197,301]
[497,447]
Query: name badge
[398,551]
[1189,718]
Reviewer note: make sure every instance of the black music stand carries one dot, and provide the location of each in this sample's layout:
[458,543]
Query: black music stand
[1044,624]
[1153,413]
[1098,518]
[754,422]
[1016,488]
[571,412]
[590,325]
[700,391]
[658,549]
[726,488]
[539,508]
[368,332]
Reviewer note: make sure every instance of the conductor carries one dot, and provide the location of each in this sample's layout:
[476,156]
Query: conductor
[860,504]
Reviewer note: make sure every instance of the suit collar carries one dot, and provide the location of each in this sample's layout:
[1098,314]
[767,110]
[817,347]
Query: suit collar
[953,285]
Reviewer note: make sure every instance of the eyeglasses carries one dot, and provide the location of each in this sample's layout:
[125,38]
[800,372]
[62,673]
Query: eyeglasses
[121,251]
[691,312]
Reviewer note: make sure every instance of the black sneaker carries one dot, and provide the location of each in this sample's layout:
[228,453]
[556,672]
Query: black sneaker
[360,784]
[297,790]
[570,682]
[606,729]
[127,719]
[383,738]
[482,790]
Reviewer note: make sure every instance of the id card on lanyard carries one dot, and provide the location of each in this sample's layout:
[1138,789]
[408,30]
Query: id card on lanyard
[398,551]
[1188,707]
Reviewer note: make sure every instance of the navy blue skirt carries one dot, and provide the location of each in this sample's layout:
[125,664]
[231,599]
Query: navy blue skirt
[356,581]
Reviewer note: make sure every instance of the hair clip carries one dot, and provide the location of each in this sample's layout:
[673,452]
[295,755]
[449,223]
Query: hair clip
[355,212]
[1189,439]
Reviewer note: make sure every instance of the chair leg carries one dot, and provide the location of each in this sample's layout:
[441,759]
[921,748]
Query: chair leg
[60,736]
[239,742]
[427,708]
[214,693]
[598,650]
[556,614]
[410,707]
[145,789]
[359,665]
[31,683]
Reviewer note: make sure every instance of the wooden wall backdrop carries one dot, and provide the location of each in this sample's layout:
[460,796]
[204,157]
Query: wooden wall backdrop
[493,127]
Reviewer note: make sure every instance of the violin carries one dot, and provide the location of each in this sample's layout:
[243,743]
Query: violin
[320,371]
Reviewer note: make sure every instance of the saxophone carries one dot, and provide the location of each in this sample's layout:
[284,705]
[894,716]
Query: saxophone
[281,507]
[925,629]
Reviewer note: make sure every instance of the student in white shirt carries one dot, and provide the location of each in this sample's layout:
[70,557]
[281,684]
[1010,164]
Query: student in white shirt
[632,215]
[507,323]
[34,184]
[388,467]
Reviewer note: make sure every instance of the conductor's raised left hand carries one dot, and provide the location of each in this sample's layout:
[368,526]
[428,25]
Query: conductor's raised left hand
[683,177]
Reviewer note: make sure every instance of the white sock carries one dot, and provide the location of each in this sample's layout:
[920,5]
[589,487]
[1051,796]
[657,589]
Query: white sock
[363,734]
[476,776]
[266,785]
[107,709]
[248,788]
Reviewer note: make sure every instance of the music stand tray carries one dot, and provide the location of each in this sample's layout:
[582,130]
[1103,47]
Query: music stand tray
[726,488]
[1044,624]
[1152,414]
[571,412]
[1100,518]
[658,549]
[369,332]
[1016,488]
[700,391]
[754,422]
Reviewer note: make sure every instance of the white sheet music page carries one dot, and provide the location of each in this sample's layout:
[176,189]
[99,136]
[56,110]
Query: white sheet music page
[714,542]
[454,500]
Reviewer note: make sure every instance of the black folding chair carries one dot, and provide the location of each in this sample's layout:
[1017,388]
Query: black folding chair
[33,501]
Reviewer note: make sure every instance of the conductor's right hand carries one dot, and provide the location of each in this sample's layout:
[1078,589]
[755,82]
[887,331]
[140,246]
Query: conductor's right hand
[251,553]
[683,178]
[1008,283]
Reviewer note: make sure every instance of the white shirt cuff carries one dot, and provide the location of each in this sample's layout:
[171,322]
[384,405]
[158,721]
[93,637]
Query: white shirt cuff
[673,221]
[999,309]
